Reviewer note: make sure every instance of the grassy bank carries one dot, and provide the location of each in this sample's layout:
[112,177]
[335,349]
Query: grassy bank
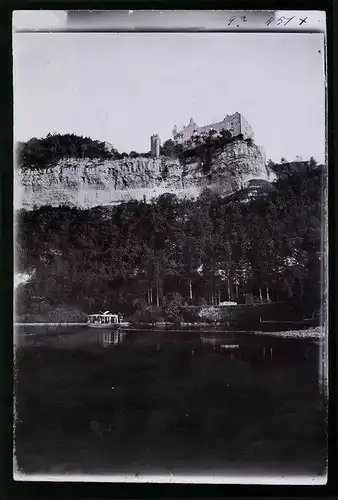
[316,333]
[265,316]
[47,314]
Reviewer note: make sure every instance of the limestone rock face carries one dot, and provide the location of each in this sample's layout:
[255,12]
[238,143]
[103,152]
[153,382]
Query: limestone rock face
[87,183]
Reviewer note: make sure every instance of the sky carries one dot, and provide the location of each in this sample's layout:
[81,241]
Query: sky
[124,87]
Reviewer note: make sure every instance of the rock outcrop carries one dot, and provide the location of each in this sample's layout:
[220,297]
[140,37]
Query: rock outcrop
[86,183]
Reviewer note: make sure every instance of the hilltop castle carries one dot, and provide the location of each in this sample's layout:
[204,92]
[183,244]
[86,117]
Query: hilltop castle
[236,124]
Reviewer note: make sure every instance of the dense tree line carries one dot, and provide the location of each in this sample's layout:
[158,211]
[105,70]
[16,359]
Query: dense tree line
[39,153]
[170,252]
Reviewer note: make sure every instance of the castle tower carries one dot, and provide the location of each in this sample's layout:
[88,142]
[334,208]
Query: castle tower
[155,144]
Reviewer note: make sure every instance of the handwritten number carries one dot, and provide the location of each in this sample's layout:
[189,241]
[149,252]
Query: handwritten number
[290,19]
[280,20]
[232,19]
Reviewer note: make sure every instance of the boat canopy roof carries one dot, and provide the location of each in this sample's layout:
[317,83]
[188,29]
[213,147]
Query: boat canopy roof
[106,313]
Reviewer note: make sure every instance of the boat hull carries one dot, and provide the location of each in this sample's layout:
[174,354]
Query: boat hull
[103,326]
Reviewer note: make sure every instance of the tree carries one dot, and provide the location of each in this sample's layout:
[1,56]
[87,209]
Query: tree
[39,153]
[133,154]
[168,148]
[172,306]
[312,162]
[210,248]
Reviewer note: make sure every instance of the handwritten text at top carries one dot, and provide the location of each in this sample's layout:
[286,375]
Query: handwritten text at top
[283,20]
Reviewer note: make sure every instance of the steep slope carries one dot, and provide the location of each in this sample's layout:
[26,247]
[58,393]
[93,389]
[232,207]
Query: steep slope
[86,182]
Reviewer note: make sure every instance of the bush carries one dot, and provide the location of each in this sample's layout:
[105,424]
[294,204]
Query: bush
[147,314]
[48,314]
[172,306]
[250,298]
[190,315]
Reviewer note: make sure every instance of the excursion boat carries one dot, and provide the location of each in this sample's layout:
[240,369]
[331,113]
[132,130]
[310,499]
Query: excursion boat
[104,320]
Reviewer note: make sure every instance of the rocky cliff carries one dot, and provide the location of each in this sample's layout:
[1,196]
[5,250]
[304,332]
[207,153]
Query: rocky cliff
[86,183]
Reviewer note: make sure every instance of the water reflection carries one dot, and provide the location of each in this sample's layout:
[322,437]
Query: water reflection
[218,342]
[233,345]
[233,348]
[254,348]
[110,338]
[168,398]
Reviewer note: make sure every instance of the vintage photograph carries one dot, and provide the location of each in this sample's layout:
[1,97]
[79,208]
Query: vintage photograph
[170,285]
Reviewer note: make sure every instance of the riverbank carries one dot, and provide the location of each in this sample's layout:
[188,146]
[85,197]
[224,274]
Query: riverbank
[309,333]
[317,333]
[50,324]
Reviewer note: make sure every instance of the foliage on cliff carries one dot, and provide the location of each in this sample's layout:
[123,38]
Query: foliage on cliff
[201,147]
[39,153]
[198,145]
[207,250]
[47,151]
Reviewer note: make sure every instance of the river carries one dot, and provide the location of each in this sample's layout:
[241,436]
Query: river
[167,402]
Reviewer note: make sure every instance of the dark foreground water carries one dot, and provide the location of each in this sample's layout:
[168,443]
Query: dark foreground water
[93,402]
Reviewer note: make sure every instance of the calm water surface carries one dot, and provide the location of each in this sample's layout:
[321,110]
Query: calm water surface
[95,401]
